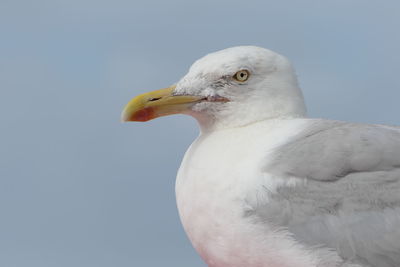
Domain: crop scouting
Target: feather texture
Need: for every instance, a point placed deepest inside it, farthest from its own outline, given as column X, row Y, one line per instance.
column 348, row 195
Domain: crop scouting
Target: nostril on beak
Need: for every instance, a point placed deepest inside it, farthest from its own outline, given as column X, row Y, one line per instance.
column 154, row 99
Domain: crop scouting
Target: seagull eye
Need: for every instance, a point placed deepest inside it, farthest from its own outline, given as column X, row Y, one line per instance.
column 241, row 75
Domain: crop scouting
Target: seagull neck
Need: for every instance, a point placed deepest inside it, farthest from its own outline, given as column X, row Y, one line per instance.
column 207, row 126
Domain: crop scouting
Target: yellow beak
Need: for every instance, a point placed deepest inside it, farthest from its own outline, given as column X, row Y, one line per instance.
column 157, row 103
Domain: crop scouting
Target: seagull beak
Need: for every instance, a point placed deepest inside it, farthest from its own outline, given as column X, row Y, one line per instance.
column 157, row 103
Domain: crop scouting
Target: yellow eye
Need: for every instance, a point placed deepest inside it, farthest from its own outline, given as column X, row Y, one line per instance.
column 241, row 75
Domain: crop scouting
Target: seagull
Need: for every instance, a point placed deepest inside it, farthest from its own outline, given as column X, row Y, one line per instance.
column 263, row 185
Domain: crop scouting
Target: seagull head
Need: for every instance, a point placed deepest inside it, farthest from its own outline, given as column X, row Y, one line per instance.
column 228, row 88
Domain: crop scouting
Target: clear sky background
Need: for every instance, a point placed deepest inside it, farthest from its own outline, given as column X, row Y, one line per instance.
column 77, row 187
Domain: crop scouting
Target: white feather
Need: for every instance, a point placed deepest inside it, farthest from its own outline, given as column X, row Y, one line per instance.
column 262, row 186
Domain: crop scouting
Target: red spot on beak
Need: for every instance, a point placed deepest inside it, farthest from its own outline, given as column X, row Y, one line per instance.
column 145, row 114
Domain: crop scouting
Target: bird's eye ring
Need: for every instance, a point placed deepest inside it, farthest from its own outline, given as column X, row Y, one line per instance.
column 241, row 75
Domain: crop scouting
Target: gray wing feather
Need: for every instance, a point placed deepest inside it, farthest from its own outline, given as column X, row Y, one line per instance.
column 329, row 150
column 350, row 201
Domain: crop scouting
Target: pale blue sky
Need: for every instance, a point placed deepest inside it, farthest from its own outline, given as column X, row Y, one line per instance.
column 77, row 187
